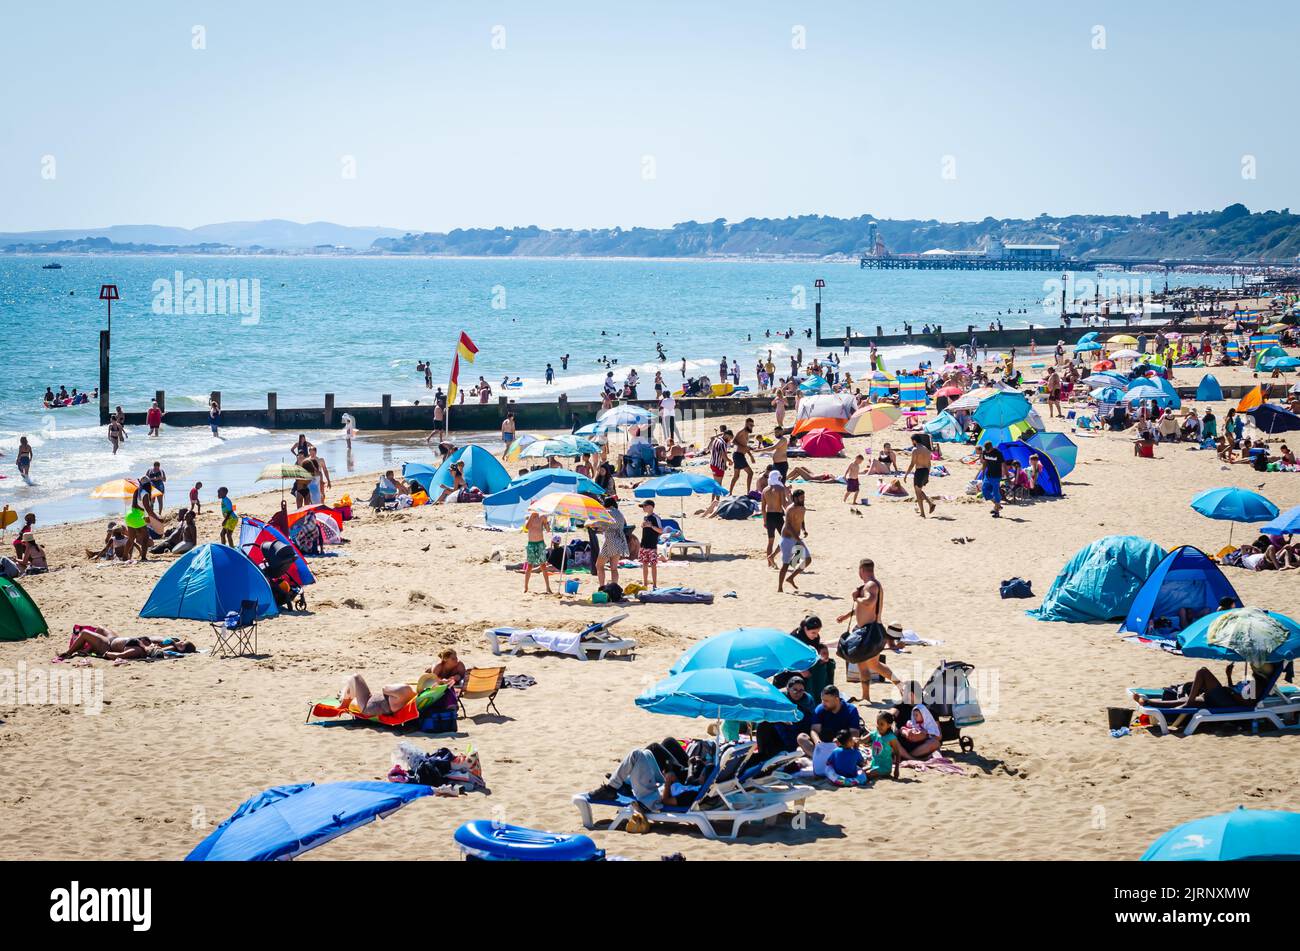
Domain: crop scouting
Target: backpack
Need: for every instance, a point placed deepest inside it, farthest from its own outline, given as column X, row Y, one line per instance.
column 612, row 591
column 1017, row 588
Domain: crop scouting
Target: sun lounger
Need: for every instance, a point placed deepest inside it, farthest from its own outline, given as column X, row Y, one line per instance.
column 683, row 544
column 1273, row 709
column 482, row 683
column 593, row 639
column 721, row 799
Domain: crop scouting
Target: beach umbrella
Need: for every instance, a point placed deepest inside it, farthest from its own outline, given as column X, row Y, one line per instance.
column 1089, row 346
column 1109, row 394
column 570, row 480
column 1125, row 355
column 625, row 414
column 872, row 419
column 761, row 651
column 1145, row 392
column 1271, row 418
column 1232, row 504
column 1281, row 363
column 572, row 506
column 944, row 428
column 1268, row 353
column 119, row 489
column 547, row 448
column 827, row 423
column 1122, row 340
column 1090, row 336
column 1002, row 409
column 1242, row 835
column 716, row 693
column 1104, row 365
column 518, row 445
column 822, row 444
column 590, row 430
column 679, row 484
column 1288, row 523
column 1107, row 379
column 282, row 471
column 949, row 392
column 285, row 821
column 1242, row 634
column 1059, row 448
column 1000, row 434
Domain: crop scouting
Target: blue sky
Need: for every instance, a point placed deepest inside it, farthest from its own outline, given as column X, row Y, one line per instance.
column 554, row 129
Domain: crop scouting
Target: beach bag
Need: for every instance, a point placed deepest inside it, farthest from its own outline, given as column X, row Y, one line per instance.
column 861, row 643
column 1017, row 588
column 613, row 592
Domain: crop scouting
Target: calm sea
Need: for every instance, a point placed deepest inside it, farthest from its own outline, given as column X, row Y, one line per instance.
column 356, row 327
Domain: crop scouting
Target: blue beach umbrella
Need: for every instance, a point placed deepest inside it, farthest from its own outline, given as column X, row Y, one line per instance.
column 1087, row 346
column 1059, row 448
column 1159, row 383
column 761, row 651
column 1090, row 336
column 719, row 694
column 1231, row 504
column 1146, row 393
column 1282, row 363
column 1002, row 409
column 1288, row 523
column 1109, row 394
column 1107, row 378
column 1236, row 836
column 625, row 414
column 283, row 822
column 1242, row 634
column 814, row 384
column 679, row 484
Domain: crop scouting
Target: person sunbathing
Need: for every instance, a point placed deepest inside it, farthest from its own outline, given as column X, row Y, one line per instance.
column 389, row 700
column 885, row 462
column 101, row 642
column 1205, row 691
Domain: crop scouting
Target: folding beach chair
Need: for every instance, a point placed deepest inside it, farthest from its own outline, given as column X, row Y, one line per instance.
column 239, row 639
column 482, row 683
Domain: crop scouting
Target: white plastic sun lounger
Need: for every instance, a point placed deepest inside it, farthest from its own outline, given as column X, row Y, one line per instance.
column 595, row 639
column 739, row 806
column 1273, row 710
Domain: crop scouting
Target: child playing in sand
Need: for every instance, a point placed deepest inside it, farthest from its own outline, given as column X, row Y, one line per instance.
column 844, row 765
column 195, row 505
column 851, row 483
column 884, row 747
column 228, row 520
column 535, row 553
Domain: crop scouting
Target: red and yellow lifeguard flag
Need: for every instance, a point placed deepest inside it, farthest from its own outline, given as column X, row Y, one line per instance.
column 1251, row 400
column 464, row 348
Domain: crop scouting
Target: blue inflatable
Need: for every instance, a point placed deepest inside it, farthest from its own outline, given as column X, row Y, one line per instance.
column 1101, row 581
column 1185, row 579
column 208, row 583
column 498, row 842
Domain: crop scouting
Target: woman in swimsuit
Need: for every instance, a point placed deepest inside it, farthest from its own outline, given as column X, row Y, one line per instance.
column 919, row 467
column 24, row 459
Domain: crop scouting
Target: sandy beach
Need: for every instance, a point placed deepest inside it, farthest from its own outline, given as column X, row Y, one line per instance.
column 180, row 743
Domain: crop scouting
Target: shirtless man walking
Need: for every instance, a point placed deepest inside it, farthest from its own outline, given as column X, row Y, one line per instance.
column 740, row 456
column 779, row 452
column 793, row 535
column 775, row 499
column 868, row 609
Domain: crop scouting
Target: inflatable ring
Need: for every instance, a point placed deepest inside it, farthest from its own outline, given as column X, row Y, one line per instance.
column 499, row 842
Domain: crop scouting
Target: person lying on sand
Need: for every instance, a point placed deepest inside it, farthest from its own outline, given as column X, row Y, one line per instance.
column 100, row 642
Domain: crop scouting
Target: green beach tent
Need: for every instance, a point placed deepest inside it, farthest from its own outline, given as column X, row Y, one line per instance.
column 20, row 618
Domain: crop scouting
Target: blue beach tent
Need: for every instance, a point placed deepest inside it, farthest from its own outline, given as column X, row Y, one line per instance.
column 283, row 822
column 1208, row 390
column 1185, row 579
column 1020, row 452
column 483, row 471
column 1101, row 581
column 509, row 507
column 944, row 428
column 208, row 583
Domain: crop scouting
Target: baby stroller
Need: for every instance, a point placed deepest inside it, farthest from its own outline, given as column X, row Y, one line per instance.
column 949, row 695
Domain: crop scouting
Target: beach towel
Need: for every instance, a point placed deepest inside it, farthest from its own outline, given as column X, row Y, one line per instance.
column 562, row 642
column 675, row 595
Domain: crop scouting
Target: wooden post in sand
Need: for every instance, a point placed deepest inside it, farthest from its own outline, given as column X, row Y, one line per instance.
column 386, row 411
column 272, row 410
column 103, row 378
column 563, row 406
column 329, row 409
column 160, row 397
